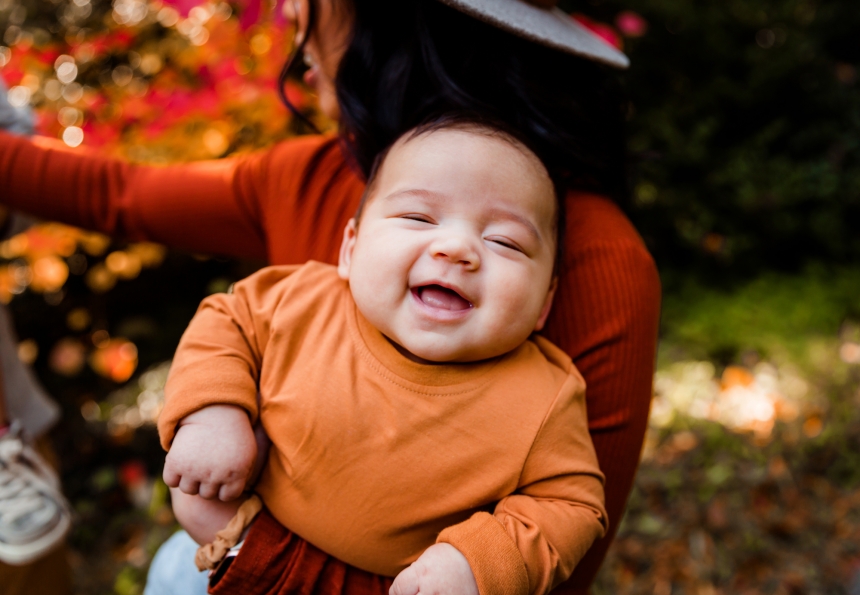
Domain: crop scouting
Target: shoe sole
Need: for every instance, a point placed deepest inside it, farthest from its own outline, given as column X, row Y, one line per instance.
column 19, row 555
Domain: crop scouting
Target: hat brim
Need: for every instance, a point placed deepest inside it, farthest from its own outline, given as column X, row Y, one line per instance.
column 550, row 27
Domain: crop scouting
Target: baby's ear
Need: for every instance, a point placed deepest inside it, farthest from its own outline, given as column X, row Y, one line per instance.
column 350, row 233
column 547, row 305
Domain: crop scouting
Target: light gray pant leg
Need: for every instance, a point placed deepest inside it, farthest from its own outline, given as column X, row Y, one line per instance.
column 17, row 120
column 173, row 571
column 26, row 400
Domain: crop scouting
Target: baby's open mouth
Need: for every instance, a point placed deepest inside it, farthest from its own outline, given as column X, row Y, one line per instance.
column 440, row 297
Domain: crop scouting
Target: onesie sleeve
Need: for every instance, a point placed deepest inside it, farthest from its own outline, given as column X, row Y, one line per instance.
column 220, row 354
column 536, row 536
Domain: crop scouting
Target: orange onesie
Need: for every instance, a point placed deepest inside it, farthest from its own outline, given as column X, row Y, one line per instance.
column 376, row 457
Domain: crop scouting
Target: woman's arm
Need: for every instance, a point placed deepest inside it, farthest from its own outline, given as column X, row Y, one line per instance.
column 193, row 206
column 606, row 316
column 215, row 207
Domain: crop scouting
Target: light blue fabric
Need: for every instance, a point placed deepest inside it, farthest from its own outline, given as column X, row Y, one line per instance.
column 173, row 572
column 14, row 119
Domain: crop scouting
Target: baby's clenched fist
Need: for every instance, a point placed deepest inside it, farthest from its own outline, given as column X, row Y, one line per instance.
column 440, row 570
column 212, row 454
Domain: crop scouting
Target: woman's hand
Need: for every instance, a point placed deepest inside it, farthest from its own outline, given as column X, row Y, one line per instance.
column 440, row 570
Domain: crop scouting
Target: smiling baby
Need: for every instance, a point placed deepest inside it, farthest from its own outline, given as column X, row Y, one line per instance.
column 420, row 428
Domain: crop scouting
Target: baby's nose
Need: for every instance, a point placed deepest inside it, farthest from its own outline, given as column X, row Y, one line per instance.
column 458, row 250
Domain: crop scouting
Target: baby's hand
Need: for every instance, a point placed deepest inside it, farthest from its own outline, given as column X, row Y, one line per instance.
column 212, row 454
column 440, row 570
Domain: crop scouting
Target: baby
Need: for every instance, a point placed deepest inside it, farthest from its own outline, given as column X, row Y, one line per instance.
column 417, row 423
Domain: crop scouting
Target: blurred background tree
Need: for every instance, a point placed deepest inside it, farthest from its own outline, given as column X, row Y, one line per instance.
column 744, row 129
column 745, row 183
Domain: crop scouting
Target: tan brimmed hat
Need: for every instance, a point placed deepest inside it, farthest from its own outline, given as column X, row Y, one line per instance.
column 542, row 22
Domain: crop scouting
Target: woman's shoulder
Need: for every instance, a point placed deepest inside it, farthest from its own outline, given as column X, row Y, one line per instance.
column 308, row 146
column 307, row 168
column 596, row 221
column 312, row 155
column 606, row 256
column 598, row 231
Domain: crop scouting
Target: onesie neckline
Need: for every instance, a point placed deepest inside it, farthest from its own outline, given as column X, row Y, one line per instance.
column 427, row 378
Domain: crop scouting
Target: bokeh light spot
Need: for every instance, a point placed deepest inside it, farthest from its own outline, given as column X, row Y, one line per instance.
column 28, row 351
column 67, row 357
column 73, row 136
column 78, row 319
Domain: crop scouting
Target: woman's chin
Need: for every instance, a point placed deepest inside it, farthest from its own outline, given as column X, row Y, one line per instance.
column 328, row 105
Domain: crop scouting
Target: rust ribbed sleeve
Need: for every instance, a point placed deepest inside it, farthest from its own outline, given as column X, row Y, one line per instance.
column 605, row 317
column 374, row 455
column 290, row 204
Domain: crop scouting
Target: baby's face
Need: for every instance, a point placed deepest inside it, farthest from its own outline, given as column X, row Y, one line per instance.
column 453, row 259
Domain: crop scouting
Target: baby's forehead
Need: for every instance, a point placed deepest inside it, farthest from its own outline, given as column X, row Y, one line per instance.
column 465, row 156
column 465, row 162
column 477, row 138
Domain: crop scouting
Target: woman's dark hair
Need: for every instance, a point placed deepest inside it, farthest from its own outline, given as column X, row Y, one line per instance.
column 411, row 59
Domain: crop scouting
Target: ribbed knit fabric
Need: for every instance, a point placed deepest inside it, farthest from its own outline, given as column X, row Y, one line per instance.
column 610, row 333
column 275, row 561
column 290, row 203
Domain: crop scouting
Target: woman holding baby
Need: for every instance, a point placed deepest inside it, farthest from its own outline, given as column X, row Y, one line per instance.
column 381, row 67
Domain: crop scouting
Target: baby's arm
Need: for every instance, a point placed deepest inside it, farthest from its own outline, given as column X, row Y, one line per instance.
column 208, row 467
column 200, row 516
column 537, row 535
column 220, row 356
column 210, row 403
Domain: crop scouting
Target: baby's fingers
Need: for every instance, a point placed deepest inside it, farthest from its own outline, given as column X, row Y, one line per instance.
column 405, row 583
column 189, row 486
column 231, row 491
column 171, row 477
column 209, row 491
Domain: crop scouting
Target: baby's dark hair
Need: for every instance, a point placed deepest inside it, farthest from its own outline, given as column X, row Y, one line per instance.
column 479, row 124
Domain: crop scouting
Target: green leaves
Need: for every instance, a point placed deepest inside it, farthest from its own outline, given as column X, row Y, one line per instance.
column 746, row 124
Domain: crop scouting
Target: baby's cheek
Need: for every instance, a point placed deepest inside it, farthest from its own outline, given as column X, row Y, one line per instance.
column 522, row 315
column 500, row 333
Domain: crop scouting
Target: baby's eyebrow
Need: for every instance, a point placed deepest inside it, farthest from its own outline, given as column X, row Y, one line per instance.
column 420, row 192
column 499, row 213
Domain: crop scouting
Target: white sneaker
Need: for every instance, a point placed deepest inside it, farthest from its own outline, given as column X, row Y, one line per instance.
column 34, row 516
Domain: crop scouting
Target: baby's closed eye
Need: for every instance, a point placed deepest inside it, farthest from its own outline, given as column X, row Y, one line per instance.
column 418, row 217
column 505, row 242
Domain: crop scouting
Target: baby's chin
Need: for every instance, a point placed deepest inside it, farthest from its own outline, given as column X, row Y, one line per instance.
column 440, row 353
